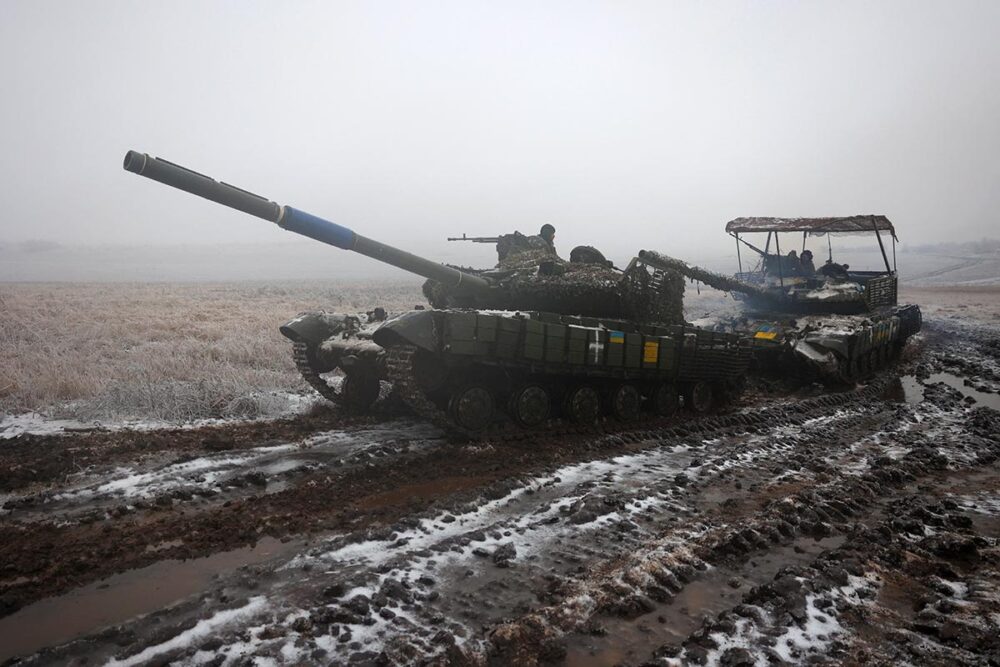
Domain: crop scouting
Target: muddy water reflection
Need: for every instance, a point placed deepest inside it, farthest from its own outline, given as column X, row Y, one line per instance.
column 955, row 382
column 121, row 597
column 911, row 389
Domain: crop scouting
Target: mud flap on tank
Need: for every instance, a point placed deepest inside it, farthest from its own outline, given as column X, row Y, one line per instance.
column 314, row 328
column 419, row 327
column 821, row 360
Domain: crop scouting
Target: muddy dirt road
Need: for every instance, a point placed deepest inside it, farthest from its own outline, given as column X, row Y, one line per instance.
column 859, row 527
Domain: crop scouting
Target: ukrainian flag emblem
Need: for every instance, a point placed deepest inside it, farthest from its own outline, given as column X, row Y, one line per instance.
column 767, row 332
column 616, row 337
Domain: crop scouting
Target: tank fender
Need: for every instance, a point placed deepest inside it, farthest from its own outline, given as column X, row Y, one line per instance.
column 837, row 343
column 816, row 356
column 315, row 327
column 418, row 327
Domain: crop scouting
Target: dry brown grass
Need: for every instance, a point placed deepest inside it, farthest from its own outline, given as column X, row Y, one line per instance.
column 161, row 351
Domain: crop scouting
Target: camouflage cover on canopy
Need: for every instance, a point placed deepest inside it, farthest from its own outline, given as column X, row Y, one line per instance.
column 853, row 224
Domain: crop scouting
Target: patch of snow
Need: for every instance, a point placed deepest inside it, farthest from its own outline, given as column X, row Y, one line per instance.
column 959, row 590
column 980, row 503
column 202, row 630
column 38, row 423
column 35, row 423
column 208, row 469
column 833, row 291
column 811, row 637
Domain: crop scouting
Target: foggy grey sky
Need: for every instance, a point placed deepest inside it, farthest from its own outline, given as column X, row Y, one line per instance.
column 625, row 124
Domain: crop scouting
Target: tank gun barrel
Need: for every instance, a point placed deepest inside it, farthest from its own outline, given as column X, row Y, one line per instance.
column 710, row 278
column 295, row 220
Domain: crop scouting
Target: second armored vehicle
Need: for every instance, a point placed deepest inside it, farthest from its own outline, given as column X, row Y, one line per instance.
column 834, row 323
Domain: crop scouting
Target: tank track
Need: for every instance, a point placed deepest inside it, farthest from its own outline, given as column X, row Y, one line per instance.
column 300, row 353
column 400, row 371
column 399, row 368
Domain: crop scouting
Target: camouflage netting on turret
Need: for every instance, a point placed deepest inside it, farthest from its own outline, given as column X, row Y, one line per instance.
column 517, row 251
column 533, row 277
column 656, row 296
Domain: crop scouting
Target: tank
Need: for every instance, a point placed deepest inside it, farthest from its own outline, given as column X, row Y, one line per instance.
column 836, row 325
column 534, row 341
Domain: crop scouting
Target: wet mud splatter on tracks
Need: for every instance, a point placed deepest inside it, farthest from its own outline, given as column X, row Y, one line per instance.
column 858, row 526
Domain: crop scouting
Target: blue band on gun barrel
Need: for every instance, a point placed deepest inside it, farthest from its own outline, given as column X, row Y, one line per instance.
column 309, row 225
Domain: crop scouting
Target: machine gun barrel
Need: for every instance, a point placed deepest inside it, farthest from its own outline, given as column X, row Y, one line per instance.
column 710, row 278
column 475, row 239
column 295, row 220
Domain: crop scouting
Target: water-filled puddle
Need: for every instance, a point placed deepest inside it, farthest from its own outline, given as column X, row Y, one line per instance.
column 121, row 597
column 913, row 389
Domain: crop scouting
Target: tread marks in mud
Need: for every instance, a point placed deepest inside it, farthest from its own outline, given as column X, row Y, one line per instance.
column 835, row 506
column 573, row 448
column 920, row 554
column 750, row 536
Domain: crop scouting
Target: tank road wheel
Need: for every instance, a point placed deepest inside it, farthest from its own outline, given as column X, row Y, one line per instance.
column 665, row 400
column 698, row 397
column 530, row 405
column 359, row 391
column 583, row 405
column 626, row 401
column 472, row 407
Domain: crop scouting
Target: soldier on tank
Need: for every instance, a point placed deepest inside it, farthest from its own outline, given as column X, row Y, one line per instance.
column 548, row 234
column 585, row 254
column 806, row 262
column 790, row 263
column 834, row 271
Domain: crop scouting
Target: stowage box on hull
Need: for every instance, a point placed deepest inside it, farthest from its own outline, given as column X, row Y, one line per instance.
column 553, row 343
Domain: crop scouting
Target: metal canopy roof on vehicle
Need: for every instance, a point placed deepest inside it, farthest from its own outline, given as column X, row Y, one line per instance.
column 844, row 225
column 854, row 224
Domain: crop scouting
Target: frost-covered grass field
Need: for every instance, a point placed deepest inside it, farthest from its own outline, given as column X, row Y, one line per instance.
column 165, row 351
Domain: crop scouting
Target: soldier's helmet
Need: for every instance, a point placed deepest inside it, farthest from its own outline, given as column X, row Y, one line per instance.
column 548, row 232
